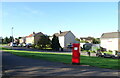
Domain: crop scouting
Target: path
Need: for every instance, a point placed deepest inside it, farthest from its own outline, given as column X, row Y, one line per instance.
column 30, row 49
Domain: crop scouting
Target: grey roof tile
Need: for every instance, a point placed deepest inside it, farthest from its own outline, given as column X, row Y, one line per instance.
column 61, row 34
column 111, row 35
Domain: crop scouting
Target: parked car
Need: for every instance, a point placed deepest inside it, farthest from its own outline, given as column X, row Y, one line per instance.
column 105, row 55
column 20, row 45
column 23, row 45
column 13, row 44
column 28, row 45
column 108, row 55
column 117, row 55
column 99, row 54
column 69, row 46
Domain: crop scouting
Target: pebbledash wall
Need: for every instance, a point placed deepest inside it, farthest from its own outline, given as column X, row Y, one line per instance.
column 119, row 44
column 110, row 43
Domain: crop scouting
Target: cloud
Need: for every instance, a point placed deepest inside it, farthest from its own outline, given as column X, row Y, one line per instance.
column 32, row 11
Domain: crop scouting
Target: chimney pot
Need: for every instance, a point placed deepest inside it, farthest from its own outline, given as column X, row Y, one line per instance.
column 60, row 32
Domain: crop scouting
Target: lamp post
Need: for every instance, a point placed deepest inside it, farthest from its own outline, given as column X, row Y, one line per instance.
column 12, row 34
column 12, row 37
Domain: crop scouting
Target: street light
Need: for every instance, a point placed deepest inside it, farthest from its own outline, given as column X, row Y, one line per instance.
column 12, row 37
column 12, row 34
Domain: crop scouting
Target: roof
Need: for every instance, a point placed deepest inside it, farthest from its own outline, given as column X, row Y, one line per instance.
column 111, row 35
column 39, row 33
column 32, row 35
column 87, row 38
column 22, row 38
column 61, row 34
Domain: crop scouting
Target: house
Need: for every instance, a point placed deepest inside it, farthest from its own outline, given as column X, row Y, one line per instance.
column 65, row 38
column 110, row 41
column 32, row 38
column 86, row 39
column 22, row 40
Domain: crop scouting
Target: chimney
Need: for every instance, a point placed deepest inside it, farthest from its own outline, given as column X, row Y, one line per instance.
column 33, row 32
column 60, row 32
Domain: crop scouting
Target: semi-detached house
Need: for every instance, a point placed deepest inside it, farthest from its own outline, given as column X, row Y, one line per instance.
column 65, row 38
column 111, row 41
column 32, row 38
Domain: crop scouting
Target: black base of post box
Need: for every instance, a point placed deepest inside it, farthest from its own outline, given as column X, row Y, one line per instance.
column 76, row 63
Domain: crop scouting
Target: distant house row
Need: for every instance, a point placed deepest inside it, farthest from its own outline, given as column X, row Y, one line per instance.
column 32, row 38
column 87, row 39
column 110, row 41
column 65, row 38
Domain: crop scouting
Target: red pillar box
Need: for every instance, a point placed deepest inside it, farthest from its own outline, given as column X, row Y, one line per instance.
column 76, row 53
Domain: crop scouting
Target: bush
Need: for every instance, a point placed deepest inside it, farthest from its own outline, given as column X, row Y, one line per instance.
column 91, row 51
column 102, row 49
column 33, row 45
column 82, row 49
column 110, row 50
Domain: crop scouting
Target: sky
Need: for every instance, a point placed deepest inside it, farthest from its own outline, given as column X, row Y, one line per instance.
column 81, row 18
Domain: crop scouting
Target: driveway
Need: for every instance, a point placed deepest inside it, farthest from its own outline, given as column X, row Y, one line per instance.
column 21, row 66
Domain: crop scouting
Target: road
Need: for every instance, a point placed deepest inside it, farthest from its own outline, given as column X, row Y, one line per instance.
column 21, row 66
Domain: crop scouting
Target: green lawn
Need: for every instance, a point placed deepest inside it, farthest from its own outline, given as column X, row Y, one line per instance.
column 4, row 44
column 66, row 58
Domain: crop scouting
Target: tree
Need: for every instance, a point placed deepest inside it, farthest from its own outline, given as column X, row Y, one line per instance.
column 82, row 41
column 10, row 39
column 1, row 40
column 17, row 41
column 77, row 39
column 6, row 40
column 55, row 43
column 96, row 41
column 19, row 37
column 43, row 42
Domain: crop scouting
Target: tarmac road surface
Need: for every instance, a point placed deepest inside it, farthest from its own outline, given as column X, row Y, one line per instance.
column 22, row 66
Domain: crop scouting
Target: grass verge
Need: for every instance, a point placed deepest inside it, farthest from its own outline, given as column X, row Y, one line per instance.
column 66, row 58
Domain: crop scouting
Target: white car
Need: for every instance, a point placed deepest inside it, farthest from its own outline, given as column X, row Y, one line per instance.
column 19, row 45
column 28, row 45
column 13, row 44
column 24, row 45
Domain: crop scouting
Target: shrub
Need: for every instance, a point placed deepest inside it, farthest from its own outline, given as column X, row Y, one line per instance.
column 102, row 49
column 33, row 45
column 110, row 50
column 82, row 49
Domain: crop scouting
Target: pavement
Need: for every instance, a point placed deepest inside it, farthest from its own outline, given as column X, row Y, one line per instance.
column 31, row 49
column 13, row 65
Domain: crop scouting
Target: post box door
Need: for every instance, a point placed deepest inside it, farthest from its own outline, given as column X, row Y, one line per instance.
column 76, row 53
